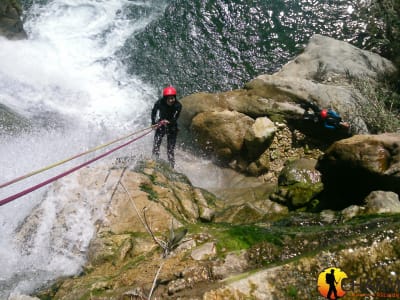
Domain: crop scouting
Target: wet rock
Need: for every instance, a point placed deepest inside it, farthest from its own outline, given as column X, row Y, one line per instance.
column 232, row 264
column 11, row 121
column 301, row 170
column 259, row 137
column 382, row 202
column 205, row 251
column 354, row 167
column 205, row 212
column 15, row 296
column 189, row 278
column 256, row 286
column 301, row 243
column 221, row 133
column 328, row 216
column 352, row 211
column 323, row 52
column 298, row 184
column 11, row 25
column 241, row 214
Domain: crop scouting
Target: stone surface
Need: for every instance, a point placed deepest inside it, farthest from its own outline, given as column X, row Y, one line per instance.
column 11, row 25
column 382, row 202
column 222, row 132
column 203, row 252
column 354, row 167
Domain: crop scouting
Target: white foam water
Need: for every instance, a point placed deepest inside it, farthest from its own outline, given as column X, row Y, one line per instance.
column 68, row 81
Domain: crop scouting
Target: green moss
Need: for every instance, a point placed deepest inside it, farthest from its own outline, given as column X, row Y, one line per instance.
column 49, row 293
column 153, row 196
column 210, row 198
column 277, row 117
column 132, row 263
column 291, row 292
column 236, row 237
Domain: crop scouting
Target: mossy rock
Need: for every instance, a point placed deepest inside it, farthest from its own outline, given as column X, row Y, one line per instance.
column 301, row 194
column 301, row 170
column 299, row 184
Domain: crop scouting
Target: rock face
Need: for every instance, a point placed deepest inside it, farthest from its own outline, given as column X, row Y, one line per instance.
column 213, row 258
column 354, row 167
column 11, row 25
column 319, row 75
column 11, row 121
column 224, row 123
column 320, row 62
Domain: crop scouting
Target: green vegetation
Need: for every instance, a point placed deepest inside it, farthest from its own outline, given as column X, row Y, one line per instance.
column 292, row 292
column 236, row 237
column 381, row 113
column 383, row 27
column 153, row 196
column 243, row 237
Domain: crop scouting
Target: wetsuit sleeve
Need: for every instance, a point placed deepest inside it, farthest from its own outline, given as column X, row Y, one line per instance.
column 333, row 121
column 154, row 112
column 335, row 115
column 327, row 125
column 177, row 112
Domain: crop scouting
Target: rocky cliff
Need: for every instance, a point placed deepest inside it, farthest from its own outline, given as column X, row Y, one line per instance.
column 162, row 238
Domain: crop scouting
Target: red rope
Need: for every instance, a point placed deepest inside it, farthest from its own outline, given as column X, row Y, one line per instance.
column 35, row 187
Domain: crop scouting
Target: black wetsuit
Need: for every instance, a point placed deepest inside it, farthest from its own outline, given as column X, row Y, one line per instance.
column 171, row 114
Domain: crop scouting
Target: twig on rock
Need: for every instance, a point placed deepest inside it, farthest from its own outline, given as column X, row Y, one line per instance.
column 168, row 245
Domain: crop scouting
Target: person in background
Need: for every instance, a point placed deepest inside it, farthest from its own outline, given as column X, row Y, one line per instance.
column 329, row 118
column 165, row 114
column 332, row 120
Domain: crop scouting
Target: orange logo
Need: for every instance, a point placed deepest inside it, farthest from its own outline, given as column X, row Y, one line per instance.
column 330, row 283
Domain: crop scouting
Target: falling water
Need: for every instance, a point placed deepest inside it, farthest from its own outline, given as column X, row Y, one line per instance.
column 68, row 82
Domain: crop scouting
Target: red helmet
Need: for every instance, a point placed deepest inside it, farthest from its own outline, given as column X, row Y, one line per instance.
column 169, row 91
column 323, row 113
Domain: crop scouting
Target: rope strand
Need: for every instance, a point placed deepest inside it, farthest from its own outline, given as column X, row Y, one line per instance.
column 35, row 187
column 72, row 158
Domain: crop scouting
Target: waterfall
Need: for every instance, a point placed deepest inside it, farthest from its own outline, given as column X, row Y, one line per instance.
column 68, row 81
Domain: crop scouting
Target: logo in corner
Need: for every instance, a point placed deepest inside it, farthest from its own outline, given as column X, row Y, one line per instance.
column 330, row 283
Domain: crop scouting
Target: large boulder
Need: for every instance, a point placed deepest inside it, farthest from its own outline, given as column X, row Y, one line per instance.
column 299, row 184
column 320, row 62
column 354, row 167
column 11, row 25
column 222, row 132
column 318, row 74
column 380, row 202
column 259, row 137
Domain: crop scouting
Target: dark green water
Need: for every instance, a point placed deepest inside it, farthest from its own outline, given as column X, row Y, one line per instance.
column 217, row 45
